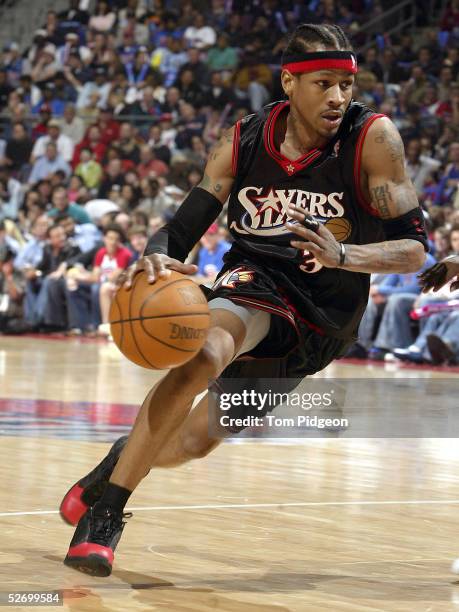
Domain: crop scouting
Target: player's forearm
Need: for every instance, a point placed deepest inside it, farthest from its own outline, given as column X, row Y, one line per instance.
column 401, row 256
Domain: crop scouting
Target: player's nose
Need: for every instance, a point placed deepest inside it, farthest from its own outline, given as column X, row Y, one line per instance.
column 336, row 97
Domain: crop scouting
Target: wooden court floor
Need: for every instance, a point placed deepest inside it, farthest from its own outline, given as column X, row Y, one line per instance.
column 326, row 524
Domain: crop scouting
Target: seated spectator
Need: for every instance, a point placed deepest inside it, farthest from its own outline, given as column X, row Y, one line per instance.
column 83, row 235
column 138, row 238
column 450, row 178
column 419, row 167
column 63, row 143
column 153, row 201
column 93, row 142
column 442, row 243
column 46, row 65
column 149, row 166
column 200, row 35
column 46, row 165
column 18, row 149
column 127, row 144
column 168, row 58
column 61, row 205
column 103, row 19
column 210, row 255
column 12, row 289
column 190, row 91
column 114, row 175
column 11, row 194
column 253, row 80
column 395, row 295
column 219, row 94
column 222, row 56
column 89, row 169
column 98, row 84
column 45, row 303
column 31, row 253
column 72, row 126
column 196, row 65
column 93, row 291
column 108, row 126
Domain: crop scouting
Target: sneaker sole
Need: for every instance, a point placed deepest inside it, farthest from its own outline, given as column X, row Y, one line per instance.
column 93, row 565
column 107, row 463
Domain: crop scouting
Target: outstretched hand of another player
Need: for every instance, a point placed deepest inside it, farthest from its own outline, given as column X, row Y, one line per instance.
column 315, row 238
column 441, row 273
column 156, row 266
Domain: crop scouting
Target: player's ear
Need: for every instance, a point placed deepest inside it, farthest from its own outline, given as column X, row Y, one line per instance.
column 287, row 81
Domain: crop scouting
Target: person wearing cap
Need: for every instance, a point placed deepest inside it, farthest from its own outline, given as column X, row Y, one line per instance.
column 46, row 66
column 63, row 143
column 99, row 84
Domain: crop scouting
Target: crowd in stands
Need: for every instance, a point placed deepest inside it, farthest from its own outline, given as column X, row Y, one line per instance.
column 107, row 117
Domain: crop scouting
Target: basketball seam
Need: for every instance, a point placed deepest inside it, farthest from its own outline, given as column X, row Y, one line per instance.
column 179, row 280
column 132, row 330
column 179, row 314
column 122, row 327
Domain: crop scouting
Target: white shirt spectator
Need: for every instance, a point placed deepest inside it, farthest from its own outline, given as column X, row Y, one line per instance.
column 64, row 144
column 201, row 38
column 421, row 171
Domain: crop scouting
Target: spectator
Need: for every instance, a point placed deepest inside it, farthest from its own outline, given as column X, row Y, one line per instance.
column 222, row 57
column 71, row 125
column 93, row 142
column 200, row 35
column 61, row 205
column 18, row 149
column 103, row 19
column 12, row 289
column 63, row 143
column 127, row 144
column 419, row 167
column 45, row 290
column 149, row 165
column 100, row 86
column 83, row 235
column 210, row 254
column 48, row 164
column 196, row 65
column 254, row 80
column 31, row 253
column 89, row 169
column 114, row 176
column 12, row 193
column 138, row 237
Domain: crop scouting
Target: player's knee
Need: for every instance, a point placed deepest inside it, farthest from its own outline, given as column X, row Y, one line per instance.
column 214, row 356
column 197, row 447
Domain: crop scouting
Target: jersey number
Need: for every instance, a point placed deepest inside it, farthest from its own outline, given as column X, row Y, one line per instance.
column 309, row 264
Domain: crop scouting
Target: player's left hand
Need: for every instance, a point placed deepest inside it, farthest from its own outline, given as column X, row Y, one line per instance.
column 318, row 240
column 438, row 275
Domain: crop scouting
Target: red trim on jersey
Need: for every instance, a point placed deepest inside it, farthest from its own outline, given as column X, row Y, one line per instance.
column 357, row 163
column 314, row 327
column 290, row 166
column 266, row 306
column 323, row 64
column 236, row 142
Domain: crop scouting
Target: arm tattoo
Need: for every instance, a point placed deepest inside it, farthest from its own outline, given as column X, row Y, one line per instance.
column 226, row 138
column 380, row 198
column 393, row 144
column 206, row 183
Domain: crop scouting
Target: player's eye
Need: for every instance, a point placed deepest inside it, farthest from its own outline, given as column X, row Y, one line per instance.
column 324, row 84
column 346, row 84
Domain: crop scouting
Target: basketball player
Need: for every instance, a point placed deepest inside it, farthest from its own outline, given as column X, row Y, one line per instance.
column 289, row 292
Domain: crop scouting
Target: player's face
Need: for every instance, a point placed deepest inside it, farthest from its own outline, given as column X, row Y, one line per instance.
column 455, row 241
column 320, row 99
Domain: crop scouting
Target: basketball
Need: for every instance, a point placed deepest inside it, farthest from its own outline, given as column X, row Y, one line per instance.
column 340, row 228
column 160, row 325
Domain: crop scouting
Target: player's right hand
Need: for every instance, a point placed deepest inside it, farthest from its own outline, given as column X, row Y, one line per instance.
column 156, row 266
column 441, row 273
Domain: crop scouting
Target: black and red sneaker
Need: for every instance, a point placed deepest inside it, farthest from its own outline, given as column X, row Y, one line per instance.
column 92, row 547
column 87, row 491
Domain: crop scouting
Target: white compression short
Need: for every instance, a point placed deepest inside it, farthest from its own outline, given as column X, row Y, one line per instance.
column 256, row 322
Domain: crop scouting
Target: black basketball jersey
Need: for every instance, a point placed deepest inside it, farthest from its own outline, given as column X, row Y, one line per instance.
column 326, row 183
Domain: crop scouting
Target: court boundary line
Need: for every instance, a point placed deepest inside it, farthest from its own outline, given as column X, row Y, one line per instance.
column 276, row 505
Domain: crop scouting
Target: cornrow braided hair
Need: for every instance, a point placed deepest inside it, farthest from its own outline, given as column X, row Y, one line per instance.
column 307, row 35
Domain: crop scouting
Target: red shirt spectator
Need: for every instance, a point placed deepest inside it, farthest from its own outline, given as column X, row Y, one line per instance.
column 150, row 165
column 108, row 263
column 91, row 141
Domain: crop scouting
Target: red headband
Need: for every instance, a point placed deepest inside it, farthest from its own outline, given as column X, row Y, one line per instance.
column 320, row 60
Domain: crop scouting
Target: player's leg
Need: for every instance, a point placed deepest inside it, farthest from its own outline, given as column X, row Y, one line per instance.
column 98, row 531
